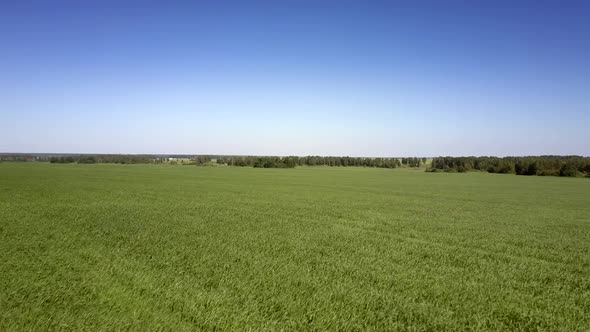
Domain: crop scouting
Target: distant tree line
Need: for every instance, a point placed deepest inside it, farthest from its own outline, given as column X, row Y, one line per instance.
column 241, row 161
column 536, row 165
column 112, row 159
column 262, row 162
column 17, row 157
column 413, row 161
column 292, row 161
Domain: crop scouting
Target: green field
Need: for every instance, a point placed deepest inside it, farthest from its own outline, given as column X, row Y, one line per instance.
column 117, row 247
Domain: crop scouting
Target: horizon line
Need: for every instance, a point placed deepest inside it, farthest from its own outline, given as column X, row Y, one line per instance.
column 277, row 155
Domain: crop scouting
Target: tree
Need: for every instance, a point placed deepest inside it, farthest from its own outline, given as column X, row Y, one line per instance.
column 568, row 169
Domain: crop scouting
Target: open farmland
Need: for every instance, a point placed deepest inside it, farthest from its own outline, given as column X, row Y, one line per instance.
column 116, row 247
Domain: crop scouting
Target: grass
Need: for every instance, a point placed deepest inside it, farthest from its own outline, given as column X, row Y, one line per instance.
column 138, row 247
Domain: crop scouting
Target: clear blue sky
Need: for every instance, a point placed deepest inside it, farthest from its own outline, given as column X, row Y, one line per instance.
column 358, row 78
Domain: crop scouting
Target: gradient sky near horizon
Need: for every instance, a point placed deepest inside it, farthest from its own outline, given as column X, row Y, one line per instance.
column 358, row 78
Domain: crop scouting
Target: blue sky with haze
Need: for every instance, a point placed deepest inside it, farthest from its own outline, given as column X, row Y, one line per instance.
column 296, row 77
